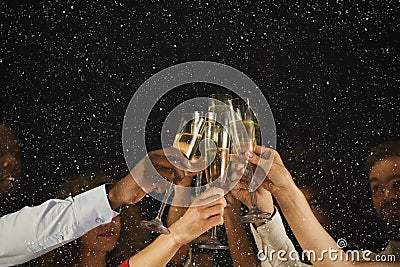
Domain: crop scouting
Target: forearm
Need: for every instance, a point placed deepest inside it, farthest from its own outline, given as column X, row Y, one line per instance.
column 174, row 214
column 310, row 234
column 37, row 230
column 239, row 245
column 308, row 231
column 158, row 253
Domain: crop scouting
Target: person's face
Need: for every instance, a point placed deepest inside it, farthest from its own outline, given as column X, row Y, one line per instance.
column 384, row 180
column 103, row 238
column 10, row 161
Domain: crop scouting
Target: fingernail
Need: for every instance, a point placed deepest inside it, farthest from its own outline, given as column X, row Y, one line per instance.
column 268, row 155
column 249, row 154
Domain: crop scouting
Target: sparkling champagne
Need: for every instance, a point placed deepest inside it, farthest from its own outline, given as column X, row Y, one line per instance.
column 188, row 144
column 219, row 166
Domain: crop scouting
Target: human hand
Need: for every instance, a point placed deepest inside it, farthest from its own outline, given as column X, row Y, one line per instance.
column 233, row 208
column 263, row 196
column 232, row 201
column 206, row 212
column 151, row 173
column 270, row 165
column 186, row 181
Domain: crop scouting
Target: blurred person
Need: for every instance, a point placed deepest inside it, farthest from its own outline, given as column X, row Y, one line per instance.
column 383, row 167
column 133, row 238
column 102, row 245
column 10, row 168
column 40, row 229
column 91, row 248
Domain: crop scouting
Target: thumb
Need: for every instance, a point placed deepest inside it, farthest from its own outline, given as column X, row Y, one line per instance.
column 210, row 195
column 267, row 153
column 265, row 164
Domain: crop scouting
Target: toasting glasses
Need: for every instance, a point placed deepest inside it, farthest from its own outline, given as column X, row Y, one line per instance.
column 245, row 132
column 187, row 141
column 217, row 148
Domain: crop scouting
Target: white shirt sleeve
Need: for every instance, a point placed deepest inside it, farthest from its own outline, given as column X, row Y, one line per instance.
column 34, row 231
column 275, row 247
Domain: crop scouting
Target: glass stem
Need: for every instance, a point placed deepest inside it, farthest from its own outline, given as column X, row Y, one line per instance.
column 164, row 201
column 249, row 174
column 253, row 200
column 214, row 233
column 198, row 183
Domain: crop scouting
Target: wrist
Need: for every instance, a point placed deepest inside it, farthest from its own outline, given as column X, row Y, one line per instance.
column 113, row 197
column 259, row 223
column 266, row 207
column 286, row 193
column 176, row 236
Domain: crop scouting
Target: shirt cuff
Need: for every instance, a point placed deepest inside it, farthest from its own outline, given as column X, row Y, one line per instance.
column 272, row 231
column 92, row 208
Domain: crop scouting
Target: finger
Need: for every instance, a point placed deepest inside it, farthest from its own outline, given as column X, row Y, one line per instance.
column 260, row 149
column 214, row 221
column 262, row 190
column 186, row 181
column 230, row 183
column 165, row 173
column 211, row 194
column 230, row 198
column 198, row 165
column 170, row 163
column 161, row 163
column 214, row 210
column 235, row 158
column 220, row 201
column 261, row 171
column 255, row 159
column 243, row 196
column 278, row 159
column 238, row 166
column 243, row 185
column 266, row 153
column 175, row 156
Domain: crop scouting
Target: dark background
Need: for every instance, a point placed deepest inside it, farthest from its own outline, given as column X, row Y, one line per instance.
column 330, row 72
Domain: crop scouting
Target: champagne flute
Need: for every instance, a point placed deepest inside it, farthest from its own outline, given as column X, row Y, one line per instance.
column 215, row 103
column 210, row 116
column 218, row 102
column 245, row 132
column 217, row 161
column 187, row 141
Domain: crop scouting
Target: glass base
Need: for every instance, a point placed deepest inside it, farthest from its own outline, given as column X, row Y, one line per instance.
column 213, row 244
column 256, row 216
column 155, row 225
